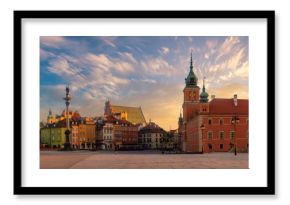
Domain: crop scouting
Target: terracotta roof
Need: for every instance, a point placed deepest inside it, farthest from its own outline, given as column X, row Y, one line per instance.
column 226, row 106
column 69, row 112
column 151, row 126
column 135, row 114
column 112, row 119
column 76, row 116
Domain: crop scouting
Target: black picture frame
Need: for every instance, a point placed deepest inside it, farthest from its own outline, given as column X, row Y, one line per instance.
column 268, row 190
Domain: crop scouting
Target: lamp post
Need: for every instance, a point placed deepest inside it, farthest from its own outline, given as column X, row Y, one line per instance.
column 202, row 127
column 235, row 121
column 50, row 137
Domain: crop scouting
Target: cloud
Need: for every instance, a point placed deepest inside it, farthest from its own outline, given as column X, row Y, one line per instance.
column 60, row 67
column 146, row 80
column 158, row 66
column 243, row 70
column 44, row 55
column 90, row 74
column 226, row 77
column 53, row 41
column 234, row 61
column 108, row 40
column 231, row 67
column 164, row 50
column 211, row 43
column 104, row 62
column 128, row 56
column 228, row 44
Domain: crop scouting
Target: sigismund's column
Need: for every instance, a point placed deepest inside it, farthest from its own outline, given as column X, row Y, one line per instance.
column 67, row 99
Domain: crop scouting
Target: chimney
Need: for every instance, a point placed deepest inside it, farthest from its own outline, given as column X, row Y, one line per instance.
column 212, row 97
column 235, row 99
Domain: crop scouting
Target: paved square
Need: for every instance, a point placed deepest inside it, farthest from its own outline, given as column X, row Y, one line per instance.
column 140, row 160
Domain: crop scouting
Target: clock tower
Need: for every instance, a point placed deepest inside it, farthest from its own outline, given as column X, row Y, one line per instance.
column 191, row 95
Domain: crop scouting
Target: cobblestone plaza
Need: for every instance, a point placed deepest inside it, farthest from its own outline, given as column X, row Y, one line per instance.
column 140, row 160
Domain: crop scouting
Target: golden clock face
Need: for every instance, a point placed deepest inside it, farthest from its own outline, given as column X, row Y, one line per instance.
column 192, row 94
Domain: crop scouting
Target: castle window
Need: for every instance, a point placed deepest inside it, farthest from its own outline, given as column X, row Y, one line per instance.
column 209, row 135
column 232, row 135
column 209, row 121
column 221, row 146
column 221, row 121
column 222, row 135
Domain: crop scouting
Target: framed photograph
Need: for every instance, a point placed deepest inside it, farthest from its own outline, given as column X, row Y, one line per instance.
column 144, row 102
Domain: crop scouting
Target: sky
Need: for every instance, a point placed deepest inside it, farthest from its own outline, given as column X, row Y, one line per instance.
column 146, row 71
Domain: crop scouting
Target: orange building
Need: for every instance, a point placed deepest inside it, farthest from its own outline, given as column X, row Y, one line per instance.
column 87, row 135
column 220, row 125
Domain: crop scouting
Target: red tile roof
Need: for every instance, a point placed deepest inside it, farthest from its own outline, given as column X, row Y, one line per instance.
column 112, row 119
column 76, row 116
column 151, row 126
column 226, row 106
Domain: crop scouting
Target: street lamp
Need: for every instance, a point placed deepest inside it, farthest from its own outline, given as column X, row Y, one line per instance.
column 50, row 137
column 202, row 127
column 235, row 121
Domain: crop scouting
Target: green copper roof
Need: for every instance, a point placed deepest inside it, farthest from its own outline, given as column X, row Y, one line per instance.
column 203, row 95
column 191, row 79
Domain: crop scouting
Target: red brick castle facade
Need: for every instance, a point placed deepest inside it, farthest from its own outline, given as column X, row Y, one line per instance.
column 219, row 125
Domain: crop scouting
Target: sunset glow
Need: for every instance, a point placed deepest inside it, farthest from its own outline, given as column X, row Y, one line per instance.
column 138, row 71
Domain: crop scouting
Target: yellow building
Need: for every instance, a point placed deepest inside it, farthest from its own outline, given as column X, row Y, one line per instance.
column 131, row 114
column 75, row 135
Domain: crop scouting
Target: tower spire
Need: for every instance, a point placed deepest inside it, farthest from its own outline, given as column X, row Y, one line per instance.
column 191, row 66
column 180, row 120
column 191, row 80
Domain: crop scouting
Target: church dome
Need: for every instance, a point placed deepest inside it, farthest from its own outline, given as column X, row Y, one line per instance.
column 191, row 79
column 203, row 95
